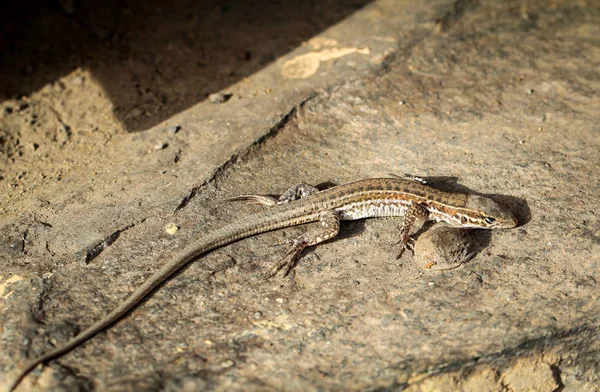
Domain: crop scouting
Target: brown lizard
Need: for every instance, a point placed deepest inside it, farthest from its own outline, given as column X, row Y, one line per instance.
column 380, row 197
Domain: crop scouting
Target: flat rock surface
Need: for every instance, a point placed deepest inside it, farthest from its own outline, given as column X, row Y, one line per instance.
column 494, row 98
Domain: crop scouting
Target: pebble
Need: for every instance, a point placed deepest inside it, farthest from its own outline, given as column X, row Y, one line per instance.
column 174, row 129
column 219, row 97
column 444, row 247
column 171, row 228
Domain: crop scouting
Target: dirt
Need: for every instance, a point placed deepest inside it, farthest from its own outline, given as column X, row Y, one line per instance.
column 117, row 145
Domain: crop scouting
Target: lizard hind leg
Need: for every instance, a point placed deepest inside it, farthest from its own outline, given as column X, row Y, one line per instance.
column 296, row 192
column 266, row 201
column 330, row 222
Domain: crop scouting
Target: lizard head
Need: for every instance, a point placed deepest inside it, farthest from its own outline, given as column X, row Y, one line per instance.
column 484, row 213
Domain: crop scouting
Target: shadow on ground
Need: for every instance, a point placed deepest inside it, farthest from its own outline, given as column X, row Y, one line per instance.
column 154, row 58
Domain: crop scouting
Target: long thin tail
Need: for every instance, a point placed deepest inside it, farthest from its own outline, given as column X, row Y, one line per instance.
column 128, row 304
column 245, row 227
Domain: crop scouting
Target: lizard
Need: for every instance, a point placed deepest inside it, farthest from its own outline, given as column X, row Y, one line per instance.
column 410, row 197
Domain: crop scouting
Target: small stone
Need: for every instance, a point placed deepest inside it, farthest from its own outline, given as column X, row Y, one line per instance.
column 219, row 97
column 171, row 228
column 161, row 146
column 78, row 80
column 58, row 86
column 134, row 113
column 444, row 247
column 227, row 364
column 174, row 129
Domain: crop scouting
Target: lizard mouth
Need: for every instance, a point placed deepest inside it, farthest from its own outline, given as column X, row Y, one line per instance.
column 505, row 222
column 509, row 222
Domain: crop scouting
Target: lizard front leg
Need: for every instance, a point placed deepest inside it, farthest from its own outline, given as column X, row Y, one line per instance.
column 330, row 222
column 415, row 211
column 296, row 192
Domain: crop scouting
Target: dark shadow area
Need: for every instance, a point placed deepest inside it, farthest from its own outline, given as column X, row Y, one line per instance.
column 482, row 239
column 154, row 58
column 349, row 229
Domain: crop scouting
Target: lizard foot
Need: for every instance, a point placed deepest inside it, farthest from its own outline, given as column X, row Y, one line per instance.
column 408, row 245
column 289, row 260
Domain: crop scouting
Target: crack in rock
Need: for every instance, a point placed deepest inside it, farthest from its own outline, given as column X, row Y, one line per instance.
column 37, row 310
column 239, row 156
column 93, row 251
column 499, row 359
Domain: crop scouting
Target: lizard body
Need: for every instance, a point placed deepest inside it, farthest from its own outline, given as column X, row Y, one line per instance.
column 383, row 197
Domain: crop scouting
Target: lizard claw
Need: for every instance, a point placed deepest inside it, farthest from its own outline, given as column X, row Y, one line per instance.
column 289, row 260
column 408, row 244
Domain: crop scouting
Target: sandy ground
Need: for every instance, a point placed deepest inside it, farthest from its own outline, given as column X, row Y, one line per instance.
column 109, row 134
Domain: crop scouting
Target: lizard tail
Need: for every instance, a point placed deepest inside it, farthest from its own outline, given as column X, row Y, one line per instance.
column 125, row 307
column 245, row 227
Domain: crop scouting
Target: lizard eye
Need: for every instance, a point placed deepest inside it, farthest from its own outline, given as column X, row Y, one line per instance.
column 489, row 220
column 464, row 220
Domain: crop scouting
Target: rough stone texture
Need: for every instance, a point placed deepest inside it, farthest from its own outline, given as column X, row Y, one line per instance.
column 503, row 96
